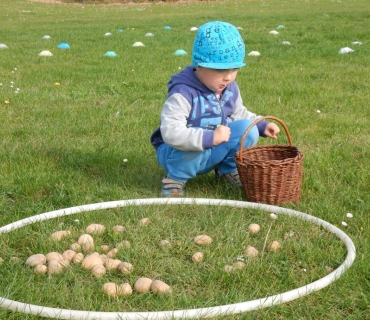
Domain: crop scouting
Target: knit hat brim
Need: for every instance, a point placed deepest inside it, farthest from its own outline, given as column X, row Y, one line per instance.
column 222, row 66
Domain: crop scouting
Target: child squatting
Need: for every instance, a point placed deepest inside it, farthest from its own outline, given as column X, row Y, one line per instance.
column 203, row 118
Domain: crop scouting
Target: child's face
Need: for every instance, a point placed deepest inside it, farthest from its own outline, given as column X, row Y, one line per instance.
column 216, row 80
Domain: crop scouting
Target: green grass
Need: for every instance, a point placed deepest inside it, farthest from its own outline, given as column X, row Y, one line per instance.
column 308, row 253
column 64, row 145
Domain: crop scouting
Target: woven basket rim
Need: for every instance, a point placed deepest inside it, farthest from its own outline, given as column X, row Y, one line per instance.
column 270, row 146
column 272, row 163
column 298, row 156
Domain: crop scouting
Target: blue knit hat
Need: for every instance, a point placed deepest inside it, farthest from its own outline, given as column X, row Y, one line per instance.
column 218, row 45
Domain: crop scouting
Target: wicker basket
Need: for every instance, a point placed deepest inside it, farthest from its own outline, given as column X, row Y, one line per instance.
column 270, row 174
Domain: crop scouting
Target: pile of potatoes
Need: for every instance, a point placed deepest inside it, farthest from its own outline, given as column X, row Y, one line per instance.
column 82, row 252
column 141, row 285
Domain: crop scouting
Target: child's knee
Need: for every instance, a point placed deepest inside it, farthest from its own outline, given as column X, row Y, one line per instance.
column 241, row 126
column 252, row 137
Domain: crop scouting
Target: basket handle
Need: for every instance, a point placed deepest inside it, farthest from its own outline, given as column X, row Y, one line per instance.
column 253, row 124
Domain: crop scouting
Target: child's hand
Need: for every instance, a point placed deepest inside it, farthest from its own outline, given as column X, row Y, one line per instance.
column 221, row 134
column 271, row 130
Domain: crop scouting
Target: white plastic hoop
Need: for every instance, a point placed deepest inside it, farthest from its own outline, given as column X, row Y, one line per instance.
column 189, row 313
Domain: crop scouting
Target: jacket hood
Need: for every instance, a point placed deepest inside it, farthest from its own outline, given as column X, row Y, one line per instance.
column 186, row 77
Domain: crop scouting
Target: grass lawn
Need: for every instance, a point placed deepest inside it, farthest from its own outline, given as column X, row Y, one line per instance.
column 75, row 130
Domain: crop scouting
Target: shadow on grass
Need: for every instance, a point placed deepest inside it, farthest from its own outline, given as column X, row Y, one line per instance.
column 140, row 176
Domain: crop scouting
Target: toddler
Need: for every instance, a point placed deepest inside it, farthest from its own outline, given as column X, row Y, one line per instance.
column 203, row 118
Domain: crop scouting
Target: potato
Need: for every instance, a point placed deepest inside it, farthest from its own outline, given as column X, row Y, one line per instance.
column 75, row 247
column 143, row 285
column 68, row 255
column 41, row 269
column 251, row 251
column 86, row 242
column 36, row 260
column 144, row 221
column 95, row 228
column 92, row 260
column 110, row 289
column 78, row 258
column 164, row 243
column 275, row 246
column 112, row 253
column 125, row 267
column 203, row 240
column 254, row 228
column 104, row 258
column 54, row 267
column 14, row 260
column 60, row 235
column 53, row 256
column 98, row 271
column 197, row 257
column 124, row 289
column 123, row 245
column 104, row 248
column 64, row 263
column 228, row 268
column 118, row 229
column 112, row 263
column 238, row 265
column 160, row 287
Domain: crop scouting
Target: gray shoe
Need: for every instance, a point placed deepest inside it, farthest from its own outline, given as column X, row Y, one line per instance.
column 232, row 178
column 172, row 188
